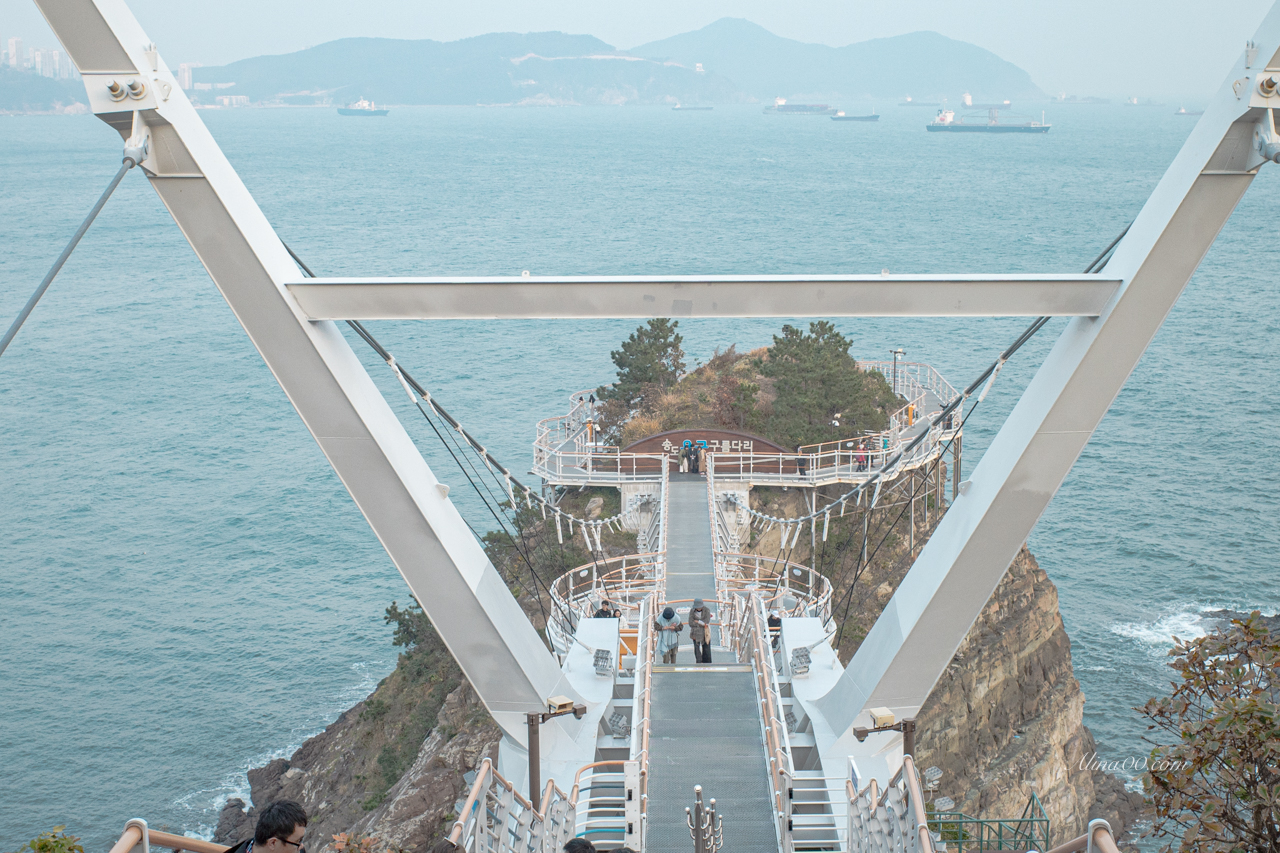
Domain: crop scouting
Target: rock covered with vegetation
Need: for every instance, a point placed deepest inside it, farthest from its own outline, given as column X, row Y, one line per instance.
column 791, row 393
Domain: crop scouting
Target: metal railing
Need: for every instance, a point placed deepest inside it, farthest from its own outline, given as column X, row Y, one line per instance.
column 623, row 581
column 892, row 822
column 961, row 832
column 642, row 706
column 565, row 450
column 782, row 585
column 600, row 790
column 750, row 642
column 496, row 819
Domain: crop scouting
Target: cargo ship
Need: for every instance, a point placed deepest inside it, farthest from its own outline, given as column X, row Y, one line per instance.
column 362, row 108
column 946, row 121
column 840, row 116
column 780, row 105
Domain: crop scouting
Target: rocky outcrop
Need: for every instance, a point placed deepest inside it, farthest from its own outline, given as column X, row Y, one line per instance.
column 1006, row 718
column 348, row 772
column 420, row 807
column 325, row 776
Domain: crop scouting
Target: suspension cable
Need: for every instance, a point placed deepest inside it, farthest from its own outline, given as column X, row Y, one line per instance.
column 128, row 164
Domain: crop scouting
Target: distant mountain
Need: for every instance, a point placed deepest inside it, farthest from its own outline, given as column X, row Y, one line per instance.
column 499, row 68
column 925, row 65
column 28, row 92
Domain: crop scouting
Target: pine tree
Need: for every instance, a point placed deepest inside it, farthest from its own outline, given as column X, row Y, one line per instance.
column 650, row 357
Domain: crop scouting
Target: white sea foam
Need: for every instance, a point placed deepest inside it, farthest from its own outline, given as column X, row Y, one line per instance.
column 1187, row 622
column 206, row 804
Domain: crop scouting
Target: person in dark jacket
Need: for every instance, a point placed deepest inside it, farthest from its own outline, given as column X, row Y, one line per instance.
column 775, row 627
column 280, row 829
column 700, row 617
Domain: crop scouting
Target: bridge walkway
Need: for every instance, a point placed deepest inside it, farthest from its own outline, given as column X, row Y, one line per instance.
column 705, row 724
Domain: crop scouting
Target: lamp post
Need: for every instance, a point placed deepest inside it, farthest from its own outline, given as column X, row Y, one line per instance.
column 558, row 706
column 896, row 353
column 907, row 727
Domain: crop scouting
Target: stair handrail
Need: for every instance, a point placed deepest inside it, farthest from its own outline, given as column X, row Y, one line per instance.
column 136, row 829
column 496, row 817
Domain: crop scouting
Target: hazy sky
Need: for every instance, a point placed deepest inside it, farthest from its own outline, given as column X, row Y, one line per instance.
column 1150, row 48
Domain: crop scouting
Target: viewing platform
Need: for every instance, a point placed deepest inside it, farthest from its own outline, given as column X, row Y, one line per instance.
column 568, row 451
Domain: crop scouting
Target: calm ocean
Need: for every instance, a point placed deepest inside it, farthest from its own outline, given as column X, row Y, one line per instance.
column 187, row 589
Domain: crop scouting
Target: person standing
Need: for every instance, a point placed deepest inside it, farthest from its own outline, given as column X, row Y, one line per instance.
column 668, row 626
column 702, row 458
column 775, row 627
column 700, row 631
column 684, row 456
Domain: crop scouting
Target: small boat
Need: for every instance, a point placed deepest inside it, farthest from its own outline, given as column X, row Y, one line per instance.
column 362, row 108
column 1186, row 112
column 910, row 102
column 682, row 108
column 780, row 105
column 840, row 116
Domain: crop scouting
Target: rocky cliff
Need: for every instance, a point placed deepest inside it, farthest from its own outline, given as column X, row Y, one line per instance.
column 1004, row 721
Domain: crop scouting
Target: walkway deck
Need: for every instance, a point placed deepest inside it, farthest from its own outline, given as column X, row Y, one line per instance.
column 705, row 731
column 690, row 566
column 705, row 727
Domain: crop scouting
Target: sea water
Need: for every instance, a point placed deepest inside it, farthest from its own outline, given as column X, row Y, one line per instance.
column 187, row 590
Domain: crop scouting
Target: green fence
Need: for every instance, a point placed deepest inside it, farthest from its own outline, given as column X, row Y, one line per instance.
column 960, row 832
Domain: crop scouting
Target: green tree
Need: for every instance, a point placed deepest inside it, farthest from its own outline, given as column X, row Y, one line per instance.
column 1214, row 780
column 651, row 356
column 815, row 379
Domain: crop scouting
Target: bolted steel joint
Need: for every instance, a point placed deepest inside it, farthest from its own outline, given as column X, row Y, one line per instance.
column 116, row 91
column 137, row 89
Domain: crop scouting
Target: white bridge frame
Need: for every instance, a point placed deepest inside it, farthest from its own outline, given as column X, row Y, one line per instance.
column 1114, row 316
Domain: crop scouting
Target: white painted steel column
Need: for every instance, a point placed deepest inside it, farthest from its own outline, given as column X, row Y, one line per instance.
column 938, row 601
column 466, row 599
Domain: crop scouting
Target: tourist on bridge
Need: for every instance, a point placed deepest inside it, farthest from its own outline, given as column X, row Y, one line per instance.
column 668, row 626
column 579, row 845
column 701, row 458
column 685, row 450
column 775, row 627
column 700, row 631
column 606, row 611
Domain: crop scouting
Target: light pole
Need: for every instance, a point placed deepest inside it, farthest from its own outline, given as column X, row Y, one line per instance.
column 896, row 353
column 557, row 706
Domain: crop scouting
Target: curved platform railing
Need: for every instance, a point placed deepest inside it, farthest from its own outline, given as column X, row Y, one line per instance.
column 622, row 581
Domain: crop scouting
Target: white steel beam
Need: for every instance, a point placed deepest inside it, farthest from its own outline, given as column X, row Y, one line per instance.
column 594, row 297
column 937, row 602
column 447, row 570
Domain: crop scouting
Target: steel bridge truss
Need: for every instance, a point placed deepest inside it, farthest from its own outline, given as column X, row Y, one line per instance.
column 1112, row 317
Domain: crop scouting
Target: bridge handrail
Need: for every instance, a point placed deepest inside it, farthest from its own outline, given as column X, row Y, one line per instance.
column 508, row 822
column 775, row 578
column 623, row 580
column 587, row 823
column 642, row 702
column 899, row 812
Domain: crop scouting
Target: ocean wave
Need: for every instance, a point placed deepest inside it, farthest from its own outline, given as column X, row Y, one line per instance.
column 205, row 805
column 1187, row 622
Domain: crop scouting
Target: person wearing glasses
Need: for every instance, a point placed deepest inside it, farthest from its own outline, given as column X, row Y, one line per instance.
column 280, row 829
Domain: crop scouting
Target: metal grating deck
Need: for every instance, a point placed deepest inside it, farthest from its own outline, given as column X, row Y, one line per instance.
column 705, row 730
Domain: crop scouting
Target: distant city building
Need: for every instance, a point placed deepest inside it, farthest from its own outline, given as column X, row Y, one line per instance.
column 223, row 85
column 185, row 75
column 15, row 53
column 201, row 87
column 47, row 63
column 233, row 100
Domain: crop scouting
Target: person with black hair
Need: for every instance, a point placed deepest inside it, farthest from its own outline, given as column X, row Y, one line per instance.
column 579, row 845
column 444, row 845
column 280, row 828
